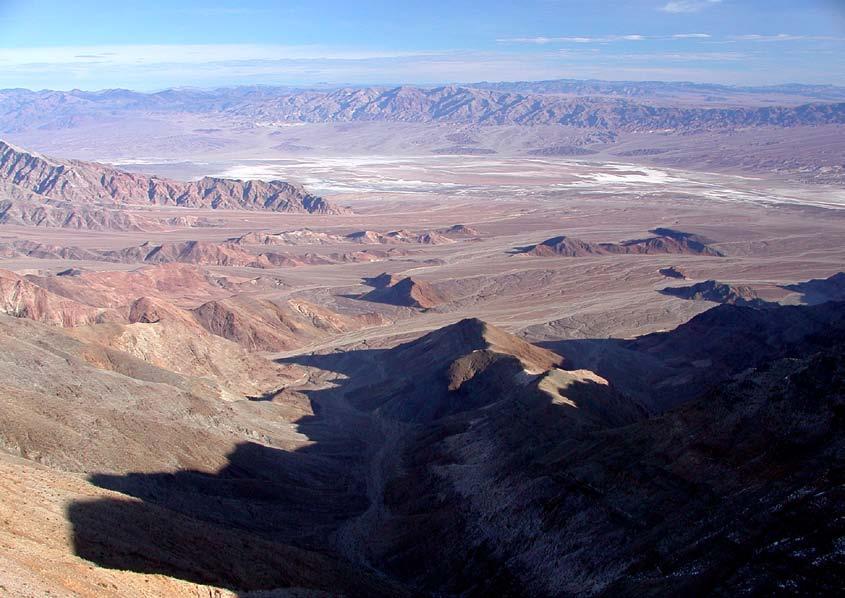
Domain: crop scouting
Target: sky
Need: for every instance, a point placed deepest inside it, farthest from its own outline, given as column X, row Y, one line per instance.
column 157, row 44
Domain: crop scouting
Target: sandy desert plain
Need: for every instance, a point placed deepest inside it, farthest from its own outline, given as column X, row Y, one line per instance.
column 772, row 232
column 266, row 412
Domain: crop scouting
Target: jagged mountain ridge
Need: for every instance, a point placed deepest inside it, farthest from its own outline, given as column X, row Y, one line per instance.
column 478, row 106
column 92, row 183
column 608, row 107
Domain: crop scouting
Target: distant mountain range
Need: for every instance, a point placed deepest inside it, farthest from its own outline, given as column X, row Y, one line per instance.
column 611, row 106
column 675, row 88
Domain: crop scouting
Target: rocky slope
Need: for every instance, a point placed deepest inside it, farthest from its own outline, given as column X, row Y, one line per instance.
column 75, row 406
column 365, row 237
column 22, row 299
column 464, row 462
column 265, row 325
column 397, row 237
column 735, row 492
column 97, row 184
column 304, row 236
column 192, row 310
column 54, row 214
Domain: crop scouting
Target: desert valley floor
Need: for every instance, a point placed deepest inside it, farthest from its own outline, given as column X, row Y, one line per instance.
column 772, row 233
column 245, row 413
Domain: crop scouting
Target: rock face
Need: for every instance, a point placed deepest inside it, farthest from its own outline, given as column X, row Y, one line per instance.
column 718, row 292
column 408, row 292
column 22, row 299
column 669, row 242
column 88, row 183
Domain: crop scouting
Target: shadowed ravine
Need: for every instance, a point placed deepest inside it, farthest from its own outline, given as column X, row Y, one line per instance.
column 442, row 467
column 321, row 506
column 322, row 499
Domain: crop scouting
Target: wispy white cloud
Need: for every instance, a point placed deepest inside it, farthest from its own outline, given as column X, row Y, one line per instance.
column 688, row 6
column 155, row 67
column 683, row 56
column 785, row 37
column 603, row 39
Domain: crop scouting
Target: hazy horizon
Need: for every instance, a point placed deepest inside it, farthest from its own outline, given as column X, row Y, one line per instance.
column 425, row 85
column 158, row 45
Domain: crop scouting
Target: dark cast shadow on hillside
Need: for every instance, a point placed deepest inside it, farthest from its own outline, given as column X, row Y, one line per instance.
column 265, row 520
column 269, row 518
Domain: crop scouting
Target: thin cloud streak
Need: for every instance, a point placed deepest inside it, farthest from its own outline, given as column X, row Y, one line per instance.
column 437, row 68
column 688, row 6
column 785, row 37
column 751, row 37
column 540, row 40
column 577, row 39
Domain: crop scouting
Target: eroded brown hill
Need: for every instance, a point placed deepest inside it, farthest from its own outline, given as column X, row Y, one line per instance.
column 265, row 325
column 666, row 241
column 408, row 292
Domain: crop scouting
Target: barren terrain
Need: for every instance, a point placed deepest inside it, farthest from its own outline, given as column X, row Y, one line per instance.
column 459, row 375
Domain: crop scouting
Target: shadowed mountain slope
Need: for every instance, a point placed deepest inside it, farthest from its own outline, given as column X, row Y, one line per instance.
column 718, row 292
column 738, row 491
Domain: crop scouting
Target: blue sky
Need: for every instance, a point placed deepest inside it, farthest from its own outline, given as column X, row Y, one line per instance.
column 156, row 44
